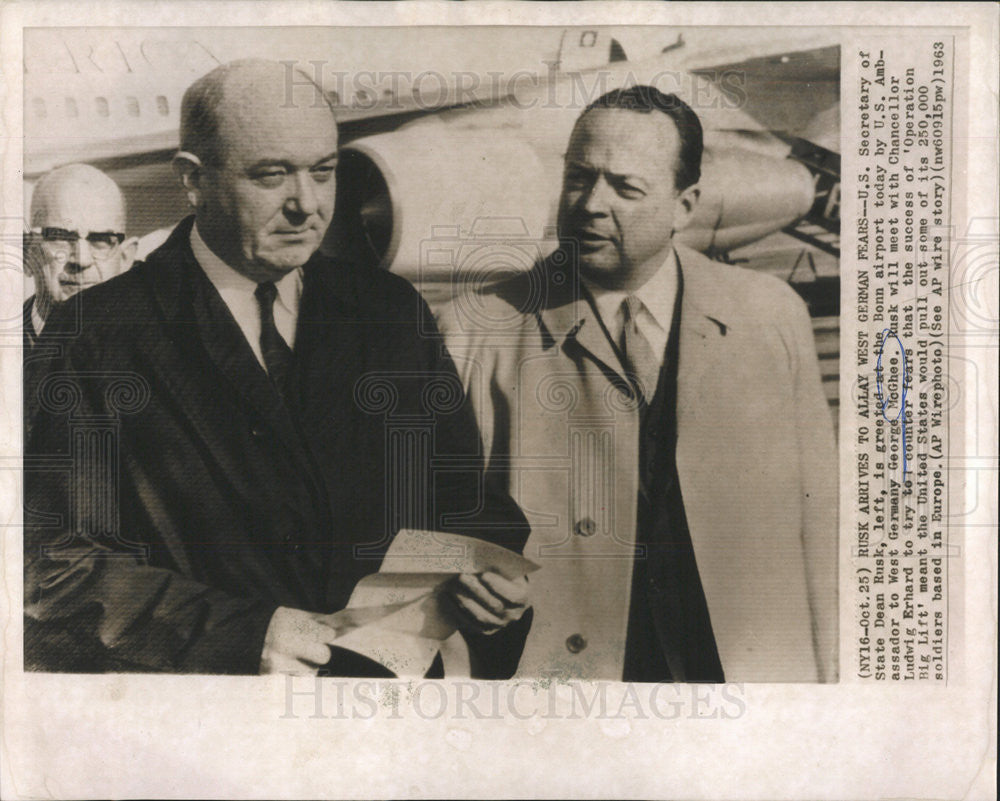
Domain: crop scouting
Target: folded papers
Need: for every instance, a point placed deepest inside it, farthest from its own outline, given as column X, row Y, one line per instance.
column 394, row 616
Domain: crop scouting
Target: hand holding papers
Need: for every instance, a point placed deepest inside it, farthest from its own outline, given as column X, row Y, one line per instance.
column 296, row 642
column 484, row 603
column 396, row 617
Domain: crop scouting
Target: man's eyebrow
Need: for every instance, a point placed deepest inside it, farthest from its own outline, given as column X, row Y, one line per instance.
column 257, row 165
column 287, row 163
column 611, row 176
column 629, row 178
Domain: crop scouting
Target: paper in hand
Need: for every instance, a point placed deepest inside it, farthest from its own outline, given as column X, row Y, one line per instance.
column 393, row 617
column 435, row 552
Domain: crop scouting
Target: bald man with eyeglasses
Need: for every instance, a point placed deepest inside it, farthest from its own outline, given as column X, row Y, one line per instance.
column 77, row 239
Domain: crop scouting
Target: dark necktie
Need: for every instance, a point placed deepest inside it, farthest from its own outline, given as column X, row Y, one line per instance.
column 277, row 354
column 640, row 361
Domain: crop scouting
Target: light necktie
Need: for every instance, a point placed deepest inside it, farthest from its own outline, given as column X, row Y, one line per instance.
column 639, row 359
column 277, row 354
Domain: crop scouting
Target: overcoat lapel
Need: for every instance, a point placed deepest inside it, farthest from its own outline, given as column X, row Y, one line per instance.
column 707, row 429
column 570, row 319
column 704, row 359
column 198, row 324
column 330, row 340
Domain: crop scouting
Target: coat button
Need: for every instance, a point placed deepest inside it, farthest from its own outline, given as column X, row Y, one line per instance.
column 585, row 527
column 575, row 643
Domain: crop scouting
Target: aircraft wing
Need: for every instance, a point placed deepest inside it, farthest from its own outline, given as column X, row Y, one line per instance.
column 120, row 98
column 795, row 93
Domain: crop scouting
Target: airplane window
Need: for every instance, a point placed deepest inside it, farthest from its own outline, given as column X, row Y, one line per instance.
column 101, row 103
column 162, row 106
column 71, row 107
column 132, row 105
column 40, row 110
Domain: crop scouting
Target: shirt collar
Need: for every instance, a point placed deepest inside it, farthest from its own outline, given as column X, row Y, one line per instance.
column 657, row 295
column 227, row 279
column 37, row 323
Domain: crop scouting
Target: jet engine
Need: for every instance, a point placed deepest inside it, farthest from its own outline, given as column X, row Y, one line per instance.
column 400, row 193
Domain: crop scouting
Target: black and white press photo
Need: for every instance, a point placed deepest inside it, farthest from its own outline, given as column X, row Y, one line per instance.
column 497, row 399
column 288, row 311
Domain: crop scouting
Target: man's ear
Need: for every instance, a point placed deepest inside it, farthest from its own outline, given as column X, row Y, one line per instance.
column 188, row 169
column 685, row 206
column 128, row 249
column 33, row 257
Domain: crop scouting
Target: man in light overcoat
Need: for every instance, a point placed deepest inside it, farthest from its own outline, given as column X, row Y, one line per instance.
column 659, row 417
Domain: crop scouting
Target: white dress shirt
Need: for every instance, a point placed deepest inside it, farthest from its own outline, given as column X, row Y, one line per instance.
column 655, row 317
column 37, row 323
column 237, row 292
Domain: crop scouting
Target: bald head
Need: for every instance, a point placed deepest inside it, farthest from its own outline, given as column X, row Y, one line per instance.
column 219, row 105
column 78, row 239
column 257, row 160
column 77, row 196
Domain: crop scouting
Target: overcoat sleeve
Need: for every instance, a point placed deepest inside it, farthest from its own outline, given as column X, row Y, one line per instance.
column 92, row 601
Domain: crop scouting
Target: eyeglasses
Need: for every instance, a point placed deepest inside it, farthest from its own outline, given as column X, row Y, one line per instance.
column 101, row 243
